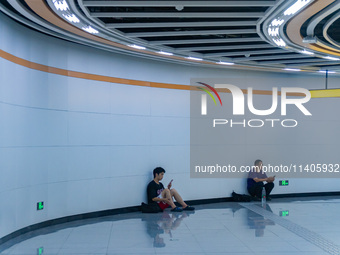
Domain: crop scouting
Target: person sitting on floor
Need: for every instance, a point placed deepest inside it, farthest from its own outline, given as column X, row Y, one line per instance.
column 255, row 181
column 158, row 194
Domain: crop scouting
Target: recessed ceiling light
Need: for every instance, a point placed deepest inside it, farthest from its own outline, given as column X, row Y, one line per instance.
column 137, row 46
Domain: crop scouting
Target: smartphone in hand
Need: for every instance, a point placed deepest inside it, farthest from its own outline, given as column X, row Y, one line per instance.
column 170, row 183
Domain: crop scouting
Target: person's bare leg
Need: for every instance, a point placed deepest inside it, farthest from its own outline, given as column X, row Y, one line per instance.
column 166, row 194
column 178, row 198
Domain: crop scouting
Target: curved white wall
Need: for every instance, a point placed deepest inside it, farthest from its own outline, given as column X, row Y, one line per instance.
column 82, row 146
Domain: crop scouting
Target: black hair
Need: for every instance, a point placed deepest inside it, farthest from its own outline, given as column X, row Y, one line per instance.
column 257, row 162
column 158, row 170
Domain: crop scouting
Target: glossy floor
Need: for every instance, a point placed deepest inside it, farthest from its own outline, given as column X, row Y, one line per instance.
column 283, row 226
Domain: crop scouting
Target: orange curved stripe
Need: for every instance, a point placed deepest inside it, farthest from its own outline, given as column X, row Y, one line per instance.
column 87, row 76
column 103, row 78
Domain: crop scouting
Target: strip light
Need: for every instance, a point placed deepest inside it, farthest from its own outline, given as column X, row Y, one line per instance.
column 64, row 10
column 165, row 53
column 273, row 31
column 61, row 5
column 279, row 42
column 324, row 71
column 296, row 7
column 306, row 52
column 90, row 30
column 193, row 58
column 71, row 18
column 332, row 58
column 137, row 47
column 277, row 22
column 275, row 26
column 225, row 63
column 292, row 69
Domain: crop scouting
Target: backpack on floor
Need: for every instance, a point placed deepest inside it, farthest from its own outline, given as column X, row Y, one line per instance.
column 150, row 208
column 240, row 198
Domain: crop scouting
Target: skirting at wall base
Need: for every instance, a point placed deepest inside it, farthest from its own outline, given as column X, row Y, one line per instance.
column 25, row 233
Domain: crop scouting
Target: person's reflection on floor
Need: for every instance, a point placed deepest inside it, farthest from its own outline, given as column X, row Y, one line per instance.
column 154, row 229
column 258, row 222
column 163, row 223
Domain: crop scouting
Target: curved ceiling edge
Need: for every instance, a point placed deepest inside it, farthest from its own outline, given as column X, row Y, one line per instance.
column 317, row 46
column 295, row 24
column 286, row 30
column 40, row 8
column 236, row 35
column 327, row 25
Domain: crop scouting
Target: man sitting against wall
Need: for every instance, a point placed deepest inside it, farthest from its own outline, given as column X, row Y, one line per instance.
column 157, row 193
column 255, row 181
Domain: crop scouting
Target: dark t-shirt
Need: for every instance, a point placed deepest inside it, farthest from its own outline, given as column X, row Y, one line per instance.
column 154, row 190
column 254, row 174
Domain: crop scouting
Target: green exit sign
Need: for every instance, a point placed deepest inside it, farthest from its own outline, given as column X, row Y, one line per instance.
column 284, row 183
column 284, row 213
column 40, row 251
column 40, row 206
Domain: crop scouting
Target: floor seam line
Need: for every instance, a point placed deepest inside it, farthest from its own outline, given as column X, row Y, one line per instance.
column 308, row 235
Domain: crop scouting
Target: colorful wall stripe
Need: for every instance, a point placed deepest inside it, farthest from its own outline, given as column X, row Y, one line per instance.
column 103, row 78
column 323, row 93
